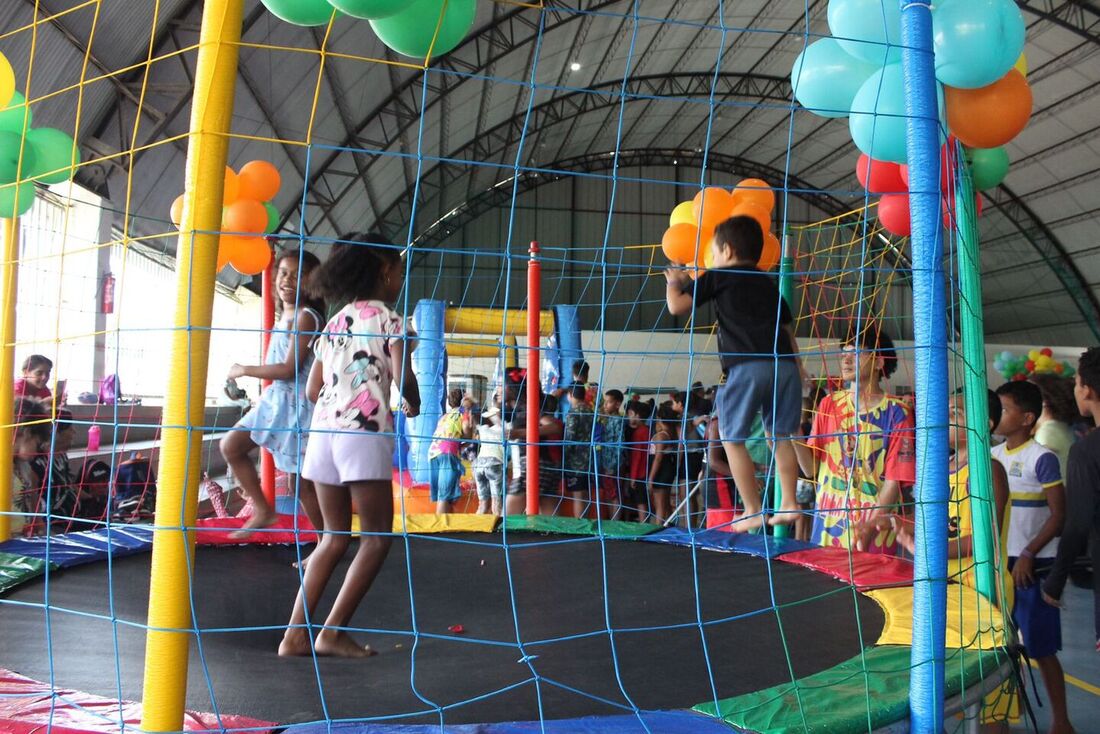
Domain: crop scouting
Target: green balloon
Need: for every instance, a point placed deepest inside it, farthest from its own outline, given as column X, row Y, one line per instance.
column 272, row 217
column 988, row 166
column 56, row 154
column 10, row 143
column 11, row 117
column 16, row 199
column 370, row 9
column 300, row 12
column 411, row 32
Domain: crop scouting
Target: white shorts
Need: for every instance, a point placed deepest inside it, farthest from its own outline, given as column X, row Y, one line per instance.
column 333, row 457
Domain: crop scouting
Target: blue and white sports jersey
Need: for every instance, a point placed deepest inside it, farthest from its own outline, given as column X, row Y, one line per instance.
column 1031, row 469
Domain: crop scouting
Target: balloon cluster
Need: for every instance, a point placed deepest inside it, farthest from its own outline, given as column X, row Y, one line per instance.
column 692, row 223
column 27, row 154
column 1036, row 362
column 409, row 27
column 247, row 215
column 984, row 99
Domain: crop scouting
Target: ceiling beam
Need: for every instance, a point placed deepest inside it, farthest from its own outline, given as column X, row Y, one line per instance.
column 505, row 34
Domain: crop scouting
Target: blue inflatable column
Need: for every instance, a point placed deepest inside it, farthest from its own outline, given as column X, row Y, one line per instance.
column 567, row 331
column 926, row 689
column 429, row 361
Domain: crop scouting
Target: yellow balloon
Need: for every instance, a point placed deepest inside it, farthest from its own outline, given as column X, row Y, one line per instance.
column 7, row 82
column 1021, row 64
column 682, row 214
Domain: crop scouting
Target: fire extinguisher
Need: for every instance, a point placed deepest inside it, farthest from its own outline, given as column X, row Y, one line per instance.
column 107, row 300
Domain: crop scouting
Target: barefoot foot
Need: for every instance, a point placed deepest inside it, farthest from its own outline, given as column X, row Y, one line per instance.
column 295, row 643
column 254, row 523
column 302, row 563
column 748, row 524
column 785, row 515
column 339, row 644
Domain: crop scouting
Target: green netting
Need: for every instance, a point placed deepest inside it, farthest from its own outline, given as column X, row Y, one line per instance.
column 843, row 699
column 15, row 570
column 577, row 526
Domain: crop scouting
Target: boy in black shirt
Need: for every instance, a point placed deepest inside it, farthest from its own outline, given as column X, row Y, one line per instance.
column 759, row 357
column 1082, row 488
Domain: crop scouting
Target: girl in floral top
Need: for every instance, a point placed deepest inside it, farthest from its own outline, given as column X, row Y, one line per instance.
column 349, row 454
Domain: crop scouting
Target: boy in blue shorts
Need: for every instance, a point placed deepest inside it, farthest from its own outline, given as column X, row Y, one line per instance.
column 1037, row 501
column 759, row 357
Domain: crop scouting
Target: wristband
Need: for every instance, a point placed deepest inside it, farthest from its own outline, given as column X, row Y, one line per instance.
column 1025, row 553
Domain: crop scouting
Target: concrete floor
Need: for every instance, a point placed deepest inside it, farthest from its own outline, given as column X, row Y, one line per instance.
column 1081, row 663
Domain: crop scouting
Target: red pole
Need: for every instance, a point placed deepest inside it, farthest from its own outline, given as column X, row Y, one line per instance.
column 534, row 393
column 267, row 297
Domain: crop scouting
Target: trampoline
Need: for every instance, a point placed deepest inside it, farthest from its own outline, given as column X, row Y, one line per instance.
column 690, row 626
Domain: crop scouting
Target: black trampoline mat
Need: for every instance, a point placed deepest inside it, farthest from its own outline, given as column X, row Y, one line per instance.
column 559, row 593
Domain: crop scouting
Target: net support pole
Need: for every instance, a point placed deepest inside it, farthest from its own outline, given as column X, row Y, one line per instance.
column 786, row 290
column 267, row 461
column 975, row 384
column 9, row 277
column 926, row 690
column 168, row 635
column 534, row 390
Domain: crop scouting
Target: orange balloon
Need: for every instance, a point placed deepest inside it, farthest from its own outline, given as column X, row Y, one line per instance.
column 989, row 116
column 678, row 243
column 258, row 180
column 176, row 212
column 755, row 190
column 231, row 187
column 245, row 215
column 769, row 255
column 711, row 207
column 753, row 209
column 250, row 256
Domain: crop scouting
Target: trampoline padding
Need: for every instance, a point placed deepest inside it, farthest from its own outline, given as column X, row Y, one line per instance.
column 577, row 526
column 17, row 569
column 89, row 546
column 664, row 722
column 862, row 570
column 31, row 707
column 857, row 696
column 753, row 544
column 972, row 622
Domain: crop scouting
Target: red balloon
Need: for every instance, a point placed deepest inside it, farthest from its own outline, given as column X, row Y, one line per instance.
column 1029, row 365
column 893, row 214
column 879, row 177
column 1046, row 352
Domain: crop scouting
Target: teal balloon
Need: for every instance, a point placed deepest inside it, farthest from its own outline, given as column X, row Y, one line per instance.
column 976, row 42
column 300, row 12
column 272, row 217
column 988, row 166
column 11, row 117
column 411, row 32
column 867, row 29
column 369, row 9
column 878, row 117
column 56, row 155
column 826, row 78
column 16, row 199
column 10, row 145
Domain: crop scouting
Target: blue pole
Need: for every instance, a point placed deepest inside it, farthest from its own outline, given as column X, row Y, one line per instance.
column 926, row 688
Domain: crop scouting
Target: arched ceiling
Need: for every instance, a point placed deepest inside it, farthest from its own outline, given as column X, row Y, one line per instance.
column 656, row 77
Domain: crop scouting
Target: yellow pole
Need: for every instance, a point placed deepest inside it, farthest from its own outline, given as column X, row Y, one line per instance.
column 167, row 641
column 9, row 279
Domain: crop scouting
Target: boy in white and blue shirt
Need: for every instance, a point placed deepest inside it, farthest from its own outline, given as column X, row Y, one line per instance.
column 1037, row 512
